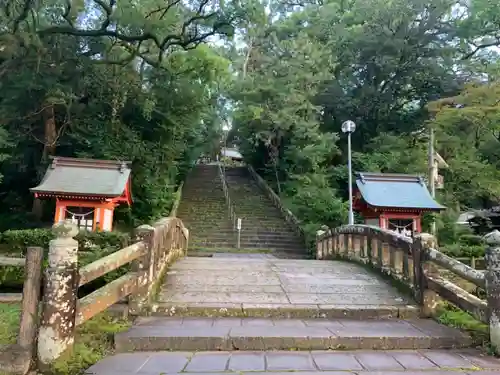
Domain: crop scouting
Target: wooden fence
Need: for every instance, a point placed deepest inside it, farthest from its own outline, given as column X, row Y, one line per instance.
column 414, row 263
column 61, row 311
column 25, row 345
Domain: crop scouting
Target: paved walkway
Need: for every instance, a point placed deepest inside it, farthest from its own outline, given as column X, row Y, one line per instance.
column 319, row 362
column 243, row 282
column 216, row 312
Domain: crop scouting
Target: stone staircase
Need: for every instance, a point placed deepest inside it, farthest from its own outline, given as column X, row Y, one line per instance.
column 204, row 211
column 263, row 225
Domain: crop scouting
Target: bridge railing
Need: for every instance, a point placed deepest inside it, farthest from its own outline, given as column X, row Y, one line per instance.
column 419, row 266
column 62, row 311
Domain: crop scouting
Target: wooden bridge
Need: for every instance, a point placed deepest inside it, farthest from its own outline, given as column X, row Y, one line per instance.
column 368, row 289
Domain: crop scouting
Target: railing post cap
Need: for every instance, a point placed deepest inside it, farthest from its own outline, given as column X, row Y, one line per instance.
column 427, row 239
column 143, row 229
column 65, row 229
column 492, row 238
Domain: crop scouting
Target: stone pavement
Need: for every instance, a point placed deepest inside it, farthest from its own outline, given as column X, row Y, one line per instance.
column 429, row 362
column 262, row 286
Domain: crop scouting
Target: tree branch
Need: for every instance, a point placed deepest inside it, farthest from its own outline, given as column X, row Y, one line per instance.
column 479, row 47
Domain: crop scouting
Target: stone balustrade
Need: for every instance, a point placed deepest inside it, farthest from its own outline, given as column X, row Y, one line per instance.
column 415, row 262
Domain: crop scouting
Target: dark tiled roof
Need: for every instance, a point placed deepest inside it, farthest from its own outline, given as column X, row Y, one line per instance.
column 104, row 178
column 395, row 191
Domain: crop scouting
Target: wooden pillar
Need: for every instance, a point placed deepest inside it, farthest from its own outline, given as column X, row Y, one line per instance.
column 59, row 214
column 418, row 224
column 28, row 326
column 381, row 222
column 492, row 276
column 57, row 329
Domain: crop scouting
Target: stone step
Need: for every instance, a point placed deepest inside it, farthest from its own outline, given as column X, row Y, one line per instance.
column 179, row 308
column 227, row 230
column 332, row 362
column 213, row 334
column 267, row 226
column 201, row 242
column 233, row 252
column 208, row 241
column 255, row 237
column 254, row 233
column 217, row 204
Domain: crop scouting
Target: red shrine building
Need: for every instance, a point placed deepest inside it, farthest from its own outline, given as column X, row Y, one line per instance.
column 86, row 191
column 393, row 201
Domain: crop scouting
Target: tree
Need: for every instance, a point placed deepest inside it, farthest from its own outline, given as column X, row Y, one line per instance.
column 468, row 136
column 379, row 64
column 61, row 97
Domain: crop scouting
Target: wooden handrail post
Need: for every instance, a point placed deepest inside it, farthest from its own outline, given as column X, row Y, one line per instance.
column 31, row 298
column 57, row 330
column 492, row 278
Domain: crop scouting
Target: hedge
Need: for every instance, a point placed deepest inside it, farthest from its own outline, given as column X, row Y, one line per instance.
column 16, row 241
column 93, row 245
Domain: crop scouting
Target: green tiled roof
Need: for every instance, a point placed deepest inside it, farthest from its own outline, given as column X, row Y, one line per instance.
column 104, row 178
column 395, row 191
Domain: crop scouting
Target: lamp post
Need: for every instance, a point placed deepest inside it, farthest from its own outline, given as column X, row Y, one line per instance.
column 349, row 127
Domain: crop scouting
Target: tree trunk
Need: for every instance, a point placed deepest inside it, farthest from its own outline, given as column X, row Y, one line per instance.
column 49, row 149
column 247, row 58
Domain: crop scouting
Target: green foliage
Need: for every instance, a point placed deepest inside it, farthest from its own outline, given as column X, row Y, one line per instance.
column 98, row 93
column 9, row 323
column 388, row 66
column 16, row 241
column 452, row 316
column 93, row 341
column 92, row 246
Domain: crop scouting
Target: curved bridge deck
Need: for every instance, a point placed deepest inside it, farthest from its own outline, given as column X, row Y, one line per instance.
column 264, row 285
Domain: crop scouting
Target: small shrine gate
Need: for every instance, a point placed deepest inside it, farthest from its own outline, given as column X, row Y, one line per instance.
column 393, row 201
column 87, row 191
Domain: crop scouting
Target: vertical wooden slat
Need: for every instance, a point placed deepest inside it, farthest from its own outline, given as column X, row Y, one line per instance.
column 31, row 297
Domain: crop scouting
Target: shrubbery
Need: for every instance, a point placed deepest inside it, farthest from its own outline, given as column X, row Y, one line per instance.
column 91, row 245
column 456, row 240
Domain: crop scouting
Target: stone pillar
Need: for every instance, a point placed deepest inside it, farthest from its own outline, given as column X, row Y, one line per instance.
column 492, row 275
column 319, row 245
column 418, row 259
column 356, row 246
column 57, row 329
column 145, row 268
column 429, row 299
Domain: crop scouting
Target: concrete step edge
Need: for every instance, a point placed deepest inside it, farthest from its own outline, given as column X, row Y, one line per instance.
column 357, row 312
column 211, row 334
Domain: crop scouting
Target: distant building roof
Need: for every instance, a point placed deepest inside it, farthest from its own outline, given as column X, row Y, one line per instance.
column 231, row 153
column 87, row 177
column 395, row 191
